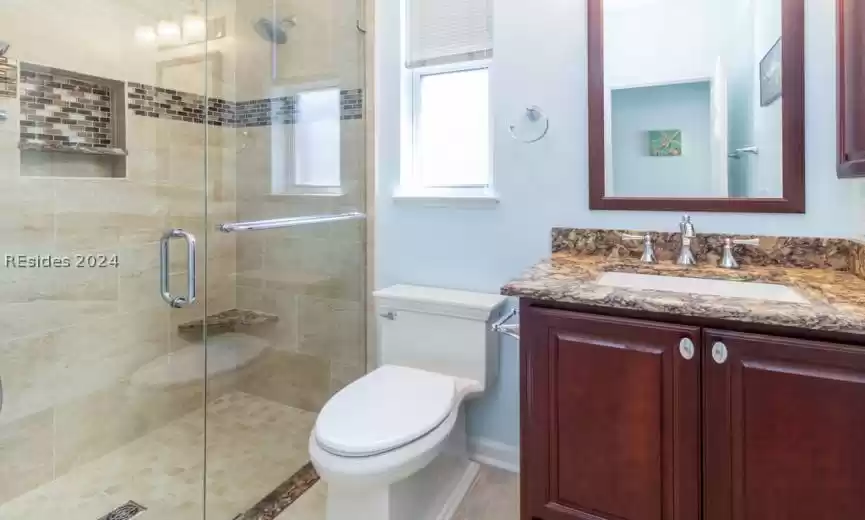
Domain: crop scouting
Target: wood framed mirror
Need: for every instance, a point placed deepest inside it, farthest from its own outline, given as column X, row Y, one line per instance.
column 696, row 105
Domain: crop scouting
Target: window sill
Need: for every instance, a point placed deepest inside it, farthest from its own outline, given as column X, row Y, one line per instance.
column 448, row 197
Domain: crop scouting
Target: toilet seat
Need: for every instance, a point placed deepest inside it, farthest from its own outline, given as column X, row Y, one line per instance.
column 384, row 410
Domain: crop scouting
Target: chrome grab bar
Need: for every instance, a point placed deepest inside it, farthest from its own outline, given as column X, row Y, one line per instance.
column 177, row 301
column 501, row 326
column 258, row 225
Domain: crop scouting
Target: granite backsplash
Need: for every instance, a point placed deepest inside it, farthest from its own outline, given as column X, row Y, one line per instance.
column 801, row 252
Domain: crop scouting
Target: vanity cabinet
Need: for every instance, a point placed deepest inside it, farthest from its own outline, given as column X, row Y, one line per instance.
column 784, row 428
column 632, row 419
column 851, row 88
column 611, row 418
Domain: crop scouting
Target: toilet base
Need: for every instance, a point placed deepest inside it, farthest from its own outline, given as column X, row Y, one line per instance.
column 433, row 493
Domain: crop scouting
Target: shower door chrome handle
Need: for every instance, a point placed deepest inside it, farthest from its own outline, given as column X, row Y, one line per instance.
column 164, row 263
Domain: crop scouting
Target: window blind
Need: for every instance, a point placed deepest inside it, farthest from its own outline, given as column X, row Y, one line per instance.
column 448, row 31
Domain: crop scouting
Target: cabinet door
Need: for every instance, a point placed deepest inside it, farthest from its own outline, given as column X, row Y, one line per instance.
column 784, row 429
column 610, row 418
column 851, row 88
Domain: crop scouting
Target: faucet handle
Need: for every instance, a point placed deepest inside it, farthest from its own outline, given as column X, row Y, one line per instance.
column 686, row 227
column 728, row 261
column 648, row 247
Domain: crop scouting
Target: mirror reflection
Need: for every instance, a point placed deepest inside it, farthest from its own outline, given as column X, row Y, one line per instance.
column 693, row 98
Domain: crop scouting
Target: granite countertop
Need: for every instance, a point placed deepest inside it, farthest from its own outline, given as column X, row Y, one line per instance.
column 837, row 297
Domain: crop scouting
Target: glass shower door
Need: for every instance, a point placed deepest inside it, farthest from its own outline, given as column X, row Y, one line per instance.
column 103, row 147
column 287, row 274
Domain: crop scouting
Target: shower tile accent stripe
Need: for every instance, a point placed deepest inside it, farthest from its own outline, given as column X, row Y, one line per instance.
column 162, row 103
column 351, row 104
column 8, row 78
column 266, row 112
column 147, row 100
column 58, row 109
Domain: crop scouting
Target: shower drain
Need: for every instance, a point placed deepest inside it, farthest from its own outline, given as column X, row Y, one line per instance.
column 125, row 512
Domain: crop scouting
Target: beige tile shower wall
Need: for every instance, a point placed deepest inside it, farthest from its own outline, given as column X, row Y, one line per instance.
column 311, row 277
column 72, row 340
column 97, row 37
column 324, row 47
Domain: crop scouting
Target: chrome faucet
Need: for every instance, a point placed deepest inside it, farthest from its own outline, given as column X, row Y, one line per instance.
column 686, row 254
column 648, row 247
column 729, row 259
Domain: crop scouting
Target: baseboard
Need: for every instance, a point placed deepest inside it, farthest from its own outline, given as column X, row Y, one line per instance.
column 494, row 453
column 460, row 491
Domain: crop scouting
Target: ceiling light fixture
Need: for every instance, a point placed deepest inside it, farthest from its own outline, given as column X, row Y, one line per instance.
column 168, row 32
column 194, row 28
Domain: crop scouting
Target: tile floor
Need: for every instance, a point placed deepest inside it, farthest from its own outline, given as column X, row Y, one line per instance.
column 253, row 445
column 494, row 496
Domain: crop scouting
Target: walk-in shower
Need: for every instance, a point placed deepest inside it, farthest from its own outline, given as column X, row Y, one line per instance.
column 125, row 126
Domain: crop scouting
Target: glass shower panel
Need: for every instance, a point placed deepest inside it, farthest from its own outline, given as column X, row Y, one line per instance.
column 288, row 325
column 103, row 149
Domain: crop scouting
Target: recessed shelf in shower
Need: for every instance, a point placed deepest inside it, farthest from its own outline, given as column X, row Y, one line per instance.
column 71, row 124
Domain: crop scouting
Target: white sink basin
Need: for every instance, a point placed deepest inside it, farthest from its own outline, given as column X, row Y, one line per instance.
column 723, row 288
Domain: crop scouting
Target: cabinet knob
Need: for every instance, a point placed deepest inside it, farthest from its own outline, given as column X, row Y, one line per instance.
column 686, row 348
column 719, row 353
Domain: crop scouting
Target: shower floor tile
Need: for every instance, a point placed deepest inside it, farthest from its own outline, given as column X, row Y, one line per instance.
column 253, row 446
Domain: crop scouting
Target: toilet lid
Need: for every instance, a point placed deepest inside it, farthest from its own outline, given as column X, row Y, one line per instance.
column 386, row 409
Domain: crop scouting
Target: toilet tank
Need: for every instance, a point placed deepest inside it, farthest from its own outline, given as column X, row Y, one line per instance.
column 440, row 330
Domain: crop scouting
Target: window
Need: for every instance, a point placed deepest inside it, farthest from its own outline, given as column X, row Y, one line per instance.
column 448, row 50
column 452, row 130
column 306, row 155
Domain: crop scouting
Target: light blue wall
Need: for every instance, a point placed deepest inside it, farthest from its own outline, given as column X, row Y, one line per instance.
column 540, row 58
column 686, row 107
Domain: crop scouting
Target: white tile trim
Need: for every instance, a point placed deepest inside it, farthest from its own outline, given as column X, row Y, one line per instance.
column 495, row 454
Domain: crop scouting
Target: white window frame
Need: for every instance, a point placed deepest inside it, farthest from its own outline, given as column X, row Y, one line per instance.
column 289, row 181
column 410, row 185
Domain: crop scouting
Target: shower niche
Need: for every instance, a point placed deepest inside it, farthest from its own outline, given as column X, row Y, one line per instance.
column 71, row 124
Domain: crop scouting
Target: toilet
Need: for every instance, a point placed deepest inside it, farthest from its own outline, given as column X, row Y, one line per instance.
column 393, row 445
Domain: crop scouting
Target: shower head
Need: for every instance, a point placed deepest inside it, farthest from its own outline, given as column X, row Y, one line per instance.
column 274, row 32
column 4, row 48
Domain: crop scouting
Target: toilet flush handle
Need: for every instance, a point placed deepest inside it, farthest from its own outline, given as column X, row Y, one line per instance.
column 502, row 327
column 388, row 315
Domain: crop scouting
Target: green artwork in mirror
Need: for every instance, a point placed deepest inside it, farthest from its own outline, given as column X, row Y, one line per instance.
column 665, row 143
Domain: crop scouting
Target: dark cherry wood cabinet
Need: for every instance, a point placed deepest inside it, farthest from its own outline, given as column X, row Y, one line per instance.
column 622, row 420
column 784, row 426
column 612, row 421
column 851, row 88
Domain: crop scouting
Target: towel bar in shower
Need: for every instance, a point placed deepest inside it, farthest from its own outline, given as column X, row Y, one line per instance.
column 259, row 225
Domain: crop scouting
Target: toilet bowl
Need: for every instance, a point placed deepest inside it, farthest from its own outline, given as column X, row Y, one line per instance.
column 393, row 445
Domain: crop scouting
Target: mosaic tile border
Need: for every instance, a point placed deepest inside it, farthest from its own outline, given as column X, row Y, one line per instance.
column 351, row 104
column 266, row 112
column 283, row 496
column 60, row 109
column 162, row 103
column 8, row 78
